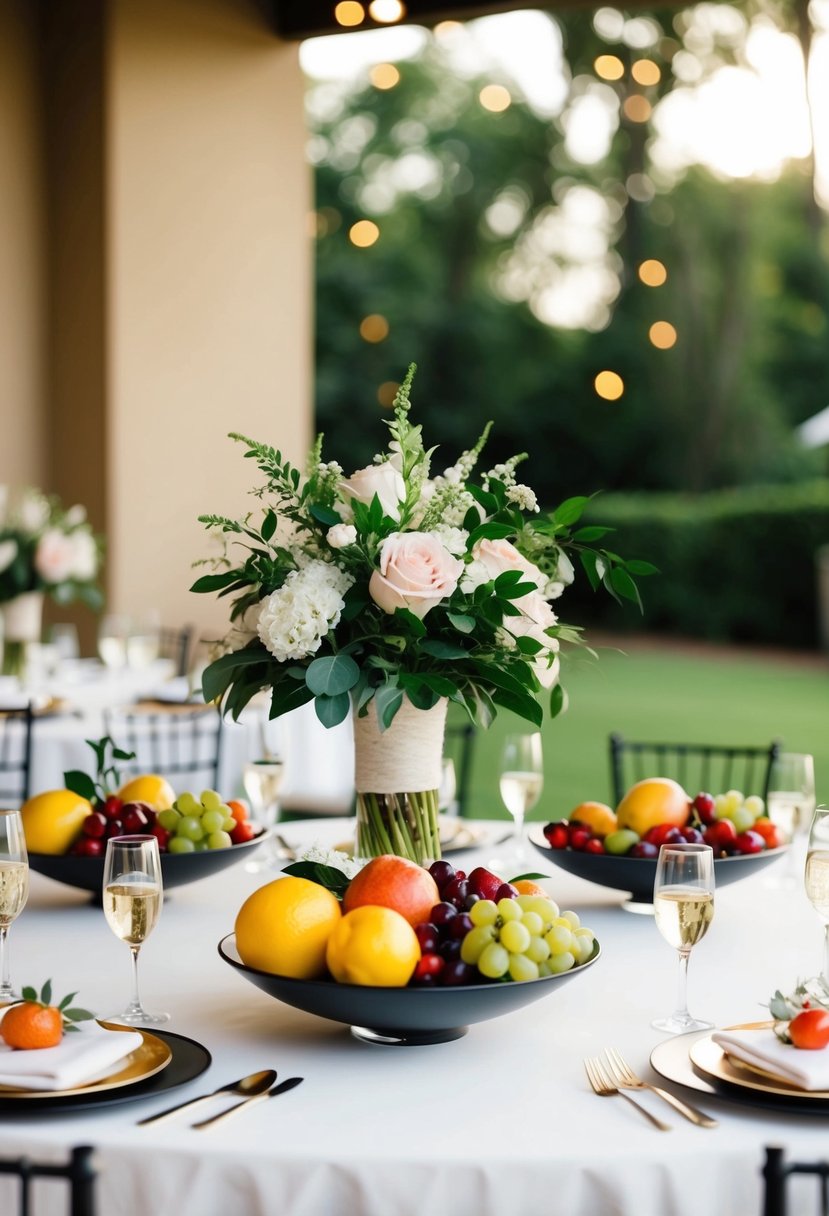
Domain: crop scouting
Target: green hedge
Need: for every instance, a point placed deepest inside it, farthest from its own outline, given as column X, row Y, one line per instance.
column 736, row 565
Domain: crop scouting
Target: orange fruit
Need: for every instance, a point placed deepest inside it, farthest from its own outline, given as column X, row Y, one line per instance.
column 31, row 1025
column 238, row 810
column 393, row 882
column 653, row 801
column 150, row 788
column 526, row 886
column 52, row 820
column 373, row 946
column 600, row 818
column 284, row 927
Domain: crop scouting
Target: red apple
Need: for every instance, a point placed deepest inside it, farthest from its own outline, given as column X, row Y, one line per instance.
column 720, row 835
column 483, row 882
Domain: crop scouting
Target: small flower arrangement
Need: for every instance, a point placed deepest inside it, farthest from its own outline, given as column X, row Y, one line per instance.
column 44, row 548
column 397, row 582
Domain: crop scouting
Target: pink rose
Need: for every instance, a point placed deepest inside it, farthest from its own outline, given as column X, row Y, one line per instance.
column 384, row 480
column 416, row 572
column 55, row 556
column 498, row 556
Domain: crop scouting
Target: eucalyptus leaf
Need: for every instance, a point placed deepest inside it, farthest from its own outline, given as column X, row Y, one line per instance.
column 331, row 711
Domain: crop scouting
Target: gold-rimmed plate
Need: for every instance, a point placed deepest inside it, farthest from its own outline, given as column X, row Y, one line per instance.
column 718, row 1064
column 150, row 1057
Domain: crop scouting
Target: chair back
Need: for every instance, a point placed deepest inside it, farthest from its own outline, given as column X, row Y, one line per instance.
column 459, row 745
column 15, row 755
column 79, row 1172
column 181, row 741
column 776, row 1173
column 696, row 766
column 175, row 644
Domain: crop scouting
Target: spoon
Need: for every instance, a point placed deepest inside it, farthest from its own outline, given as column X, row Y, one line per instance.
column 282, row 1088
column 246, row 1087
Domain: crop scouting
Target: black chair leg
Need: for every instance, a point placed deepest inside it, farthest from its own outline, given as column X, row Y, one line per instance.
column 83, row 1181
column 774, row 1172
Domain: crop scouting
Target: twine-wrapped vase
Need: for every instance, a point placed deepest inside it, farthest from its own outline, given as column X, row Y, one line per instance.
column 397, row 775
column 22, row 623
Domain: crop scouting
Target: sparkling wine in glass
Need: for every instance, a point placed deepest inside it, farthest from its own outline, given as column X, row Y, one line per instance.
column 262, row 780
column 143, row 642
column 521, row 779
column 817, row 875
column 14, row 890
column 113, row 632
column 683, row 904
column 133, row 895
column 791, row 804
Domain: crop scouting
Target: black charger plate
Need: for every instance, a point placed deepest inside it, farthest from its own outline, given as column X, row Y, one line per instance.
column 190, row 1060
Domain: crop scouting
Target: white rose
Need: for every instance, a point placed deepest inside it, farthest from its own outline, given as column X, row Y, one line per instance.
column 416, row 572
column 75, row 515
column 341, row 535
column 85, row 556
column 54, row 556
column 536, row 617
column 384, row 480
column 33, row 512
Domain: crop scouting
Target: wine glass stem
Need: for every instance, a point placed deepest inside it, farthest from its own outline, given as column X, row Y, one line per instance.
column 5, row 982
column 519, row 816
column 682, row 986
column 826, row 952
column 136, row 999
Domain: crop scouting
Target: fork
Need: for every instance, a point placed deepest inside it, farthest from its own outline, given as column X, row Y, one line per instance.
column 626, row 1078
column 604, row 1087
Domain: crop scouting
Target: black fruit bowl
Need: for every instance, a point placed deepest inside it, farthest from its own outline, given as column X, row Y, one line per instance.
column 402, row 1017
column 637, row 874
column 176, row 868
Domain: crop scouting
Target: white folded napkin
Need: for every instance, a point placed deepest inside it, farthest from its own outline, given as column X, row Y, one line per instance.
column 174, row 692
column 78, row 1058
column 762, row 1048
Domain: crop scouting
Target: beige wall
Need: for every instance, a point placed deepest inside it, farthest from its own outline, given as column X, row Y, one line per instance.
column 22, row 259
column 209, row 281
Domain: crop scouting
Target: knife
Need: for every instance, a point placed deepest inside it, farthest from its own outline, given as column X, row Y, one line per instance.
column 273, row 1092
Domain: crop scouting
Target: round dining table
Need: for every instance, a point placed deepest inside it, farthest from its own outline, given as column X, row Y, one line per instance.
column 499, row 1122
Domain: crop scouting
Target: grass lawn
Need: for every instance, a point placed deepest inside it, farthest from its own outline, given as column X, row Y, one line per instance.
column 697, row 695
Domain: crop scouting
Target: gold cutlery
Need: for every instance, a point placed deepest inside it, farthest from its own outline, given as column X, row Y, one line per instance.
column 246, row 1087
column 604, row 1087
column 624, row 1076
column 282, row 1088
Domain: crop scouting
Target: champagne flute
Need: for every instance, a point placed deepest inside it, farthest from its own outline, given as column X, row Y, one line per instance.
column 132, row 903
column 791, row 804
column 112, row 641
column 14, row 890
column 817, row 875
column 521, row 780
column 683, row 905
column 262, row 780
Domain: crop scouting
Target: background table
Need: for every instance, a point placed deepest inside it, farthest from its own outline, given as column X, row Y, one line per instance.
column 499, row 1123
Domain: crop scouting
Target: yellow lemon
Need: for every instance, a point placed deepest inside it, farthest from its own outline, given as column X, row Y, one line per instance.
column 150, row 788
column 651, row 802
column 52, row 820
column 598, row 817
column 284, row 927
column 373, row 946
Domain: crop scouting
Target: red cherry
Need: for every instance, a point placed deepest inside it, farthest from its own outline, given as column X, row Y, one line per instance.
column 579, row 837
column 551, row 829
column 594, row 845
column 95, row 824
column 162, row 836
column 506, row 891
column 114, row 828
column 557, row 838
column 243, row 832
column 705, row 807
column 112, row 807
column 663, row 833
column 644, row 849
column 428, row 968
column 749, row 842
column 691, row 835
column 89, row 846
column 428, row 938
column 720, row 835
column 484, row 883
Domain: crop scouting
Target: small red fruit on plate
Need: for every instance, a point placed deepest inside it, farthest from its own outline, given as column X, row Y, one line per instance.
column 238, row 810
column 112, row 807
column 243, row 832
column 810, row 1029
column 428, row 968
column 506, row 891
column 594, row 845
column 556, row 834
column 162, row 836
column 579, row 837
column 691, row 835
column 720, row 835
column 749, row 842
column 95, row 824
column 644, row 848
column 705, row 807
column 664, row 833
column 770, row 832
column 484, row 883
column 88, row 846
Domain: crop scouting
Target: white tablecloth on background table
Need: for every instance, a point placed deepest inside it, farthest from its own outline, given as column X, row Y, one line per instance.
column 498, row 1123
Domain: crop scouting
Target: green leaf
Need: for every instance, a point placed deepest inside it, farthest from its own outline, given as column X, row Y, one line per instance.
column 570, row 510
column 635, row 566
column 46, row 993
column 330, row 877
column 332, row 675
column 387, row 701
column 220, row 674
column 80, row 783
column 268, row 525
column 215, row 582
column 287, row 696
column 418, row 691
column 414, row 622
column 324, row 515
column 558, row 700
column 524, row 706
column 439, row 649
column 29, row 994
column 67, row 1000
column 331, row 711
column 490, row 531
column 590, row 533
column 119, row 754
column 461, row 622
column 589, row 559
column 624, row 584
column 528, row 646
column 533, row 876
column 78, row 1015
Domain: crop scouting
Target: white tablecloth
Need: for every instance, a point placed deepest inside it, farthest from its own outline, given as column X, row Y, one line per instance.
column 499, row 1123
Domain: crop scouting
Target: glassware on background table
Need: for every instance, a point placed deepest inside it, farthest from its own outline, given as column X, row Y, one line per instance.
column 448, row 789
column 521, row 781
column 683, row 905
column 790, row 805
column 816, row 876
column 133, row 895
column 64, row 637
column 112, row 641
column 262, row 780
column 143, row 643
column 14, row 890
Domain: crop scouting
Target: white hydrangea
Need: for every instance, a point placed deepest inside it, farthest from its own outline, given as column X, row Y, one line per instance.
column 332, row 857
column 453, row 539
column 296, row 617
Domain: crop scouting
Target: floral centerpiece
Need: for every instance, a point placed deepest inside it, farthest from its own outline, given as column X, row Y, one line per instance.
column 392, row 592
column 44, row 550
